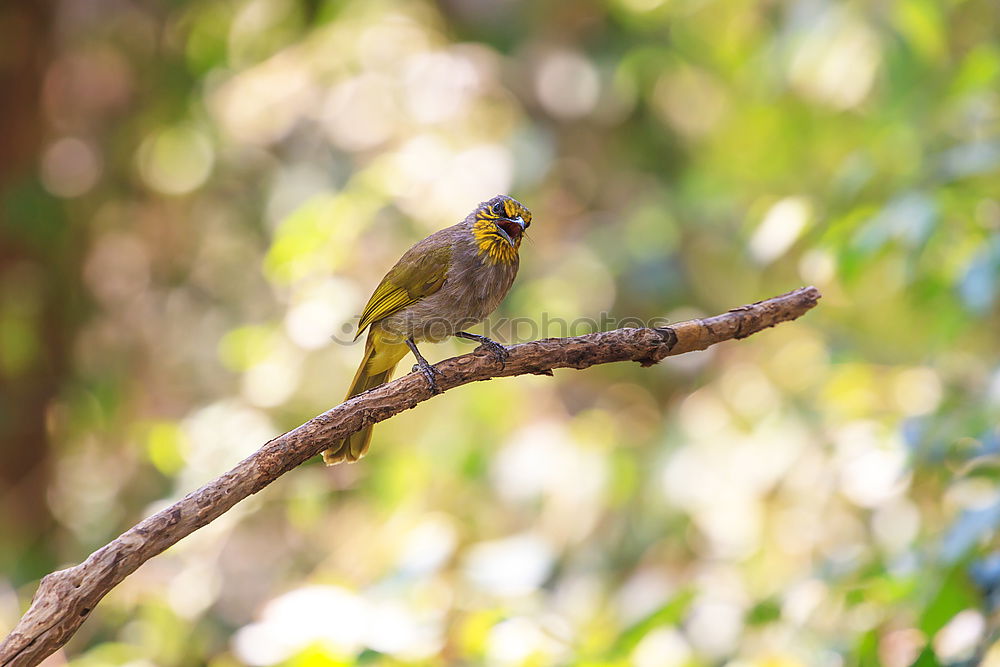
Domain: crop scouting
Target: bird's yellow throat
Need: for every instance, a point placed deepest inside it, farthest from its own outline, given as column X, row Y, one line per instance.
column 492, row 246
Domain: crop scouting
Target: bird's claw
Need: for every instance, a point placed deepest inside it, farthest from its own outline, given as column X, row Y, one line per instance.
column 425, row 368
column 500, row 353
column 428, row 372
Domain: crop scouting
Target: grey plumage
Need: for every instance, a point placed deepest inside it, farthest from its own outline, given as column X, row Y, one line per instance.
column 473, row 288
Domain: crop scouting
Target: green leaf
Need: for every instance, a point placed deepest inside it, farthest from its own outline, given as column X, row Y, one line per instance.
column 669, row 614
column 954, row 594
column 764, row 612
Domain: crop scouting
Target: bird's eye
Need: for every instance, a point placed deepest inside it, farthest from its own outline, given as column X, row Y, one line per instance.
column 499, row 209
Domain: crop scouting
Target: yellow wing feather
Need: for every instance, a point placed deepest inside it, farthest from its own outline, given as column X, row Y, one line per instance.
column 418, row 273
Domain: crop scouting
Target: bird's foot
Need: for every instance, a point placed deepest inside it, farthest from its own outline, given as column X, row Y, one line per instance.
column 428, row 370
column 500, row 353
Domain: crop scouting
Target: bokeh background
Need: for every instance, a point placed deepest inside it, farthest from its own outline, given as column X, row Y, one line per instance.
column 195, row 196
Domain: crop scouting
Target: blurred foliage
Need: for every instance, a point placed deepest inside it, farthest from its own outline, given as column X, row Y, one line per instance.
column 219, row 184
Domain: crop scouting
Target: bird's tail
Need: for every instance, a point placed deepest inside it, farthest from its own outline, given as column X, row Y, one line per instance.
column 376, row 368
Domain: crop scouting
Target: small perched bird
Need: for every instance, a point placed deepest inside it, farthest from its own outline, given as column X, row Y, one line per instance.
column 441, row 286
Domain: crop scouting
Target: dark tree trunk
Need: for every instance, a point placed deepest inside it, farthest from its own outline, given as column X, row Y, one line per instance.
column 33, row 335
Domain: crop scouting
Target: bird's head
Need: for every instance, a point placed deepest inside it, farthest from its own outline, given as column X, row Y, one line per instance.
column 498, row 227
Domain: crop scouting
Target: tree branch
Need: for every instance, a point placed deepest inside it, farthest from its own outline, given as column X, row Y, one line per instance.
column 65, row 598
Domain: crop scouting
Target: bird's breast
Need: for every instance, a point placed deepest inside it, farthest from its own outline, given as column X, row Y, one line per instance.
column 472, row 290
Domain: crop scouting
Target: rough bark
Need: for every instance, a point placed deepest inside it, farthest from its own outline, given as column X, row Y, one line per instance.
column 65, row 598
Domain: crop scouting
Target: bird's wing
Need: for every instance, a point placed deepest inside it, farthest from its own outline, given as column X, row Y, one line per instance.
column 418, row 273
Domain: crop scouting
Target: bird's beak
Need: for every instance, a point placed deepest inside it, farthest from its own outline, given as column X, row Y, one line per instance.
column 520, row 222
column 505, row 235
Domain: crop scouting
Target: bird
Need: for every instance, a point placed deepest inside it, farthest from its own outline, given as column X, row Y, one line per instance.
column 444, row 284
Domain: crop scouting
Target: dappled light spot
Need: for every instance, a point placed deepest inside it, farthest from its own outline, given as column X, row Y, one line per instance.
column 872, row 464
column 917, row 390
column 272, row 381
column 690, row 101
column 175, row 160
column 428, row 545
column 70, row 167
column 331, row 616
column 543, row 463
column 117, row 268
column 439, row 86
column 663, row 647
column 361, row 113
column 817, row 267
column 322, row 309
column 259, row 105
column 836, row 58
column 642, row 593
column 958, row 639
column 896, row 525
column 567, row 84
column 509, row 567
column 781, row 226
column 220, row 434
column 520, row 640
column 900, row 648
column 714, row 625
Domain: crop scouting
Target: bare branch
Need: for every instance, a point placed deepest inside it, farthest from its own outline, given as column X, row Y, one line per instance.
column 65, row 598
